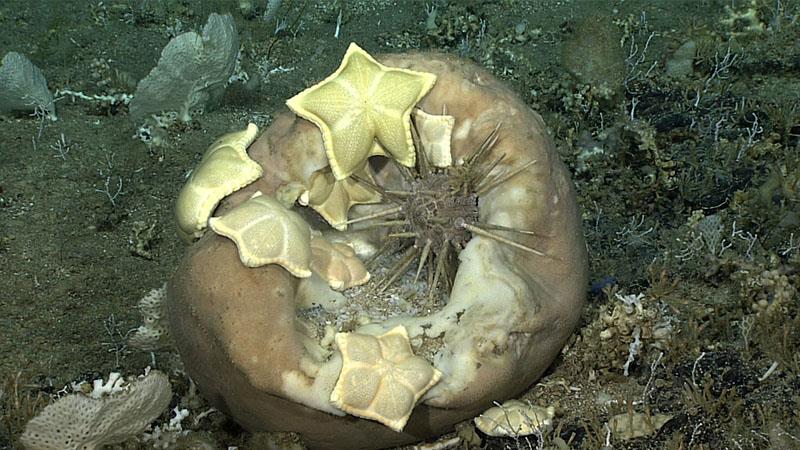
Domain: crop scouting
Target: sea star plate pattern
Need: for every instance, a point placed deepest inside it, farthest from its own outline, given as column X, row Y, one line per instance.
column 381, row 378
column 266, row 232
column 361, row 102
column 435, row 133
column 225, row 168
column 337, row 264
column 333, row 198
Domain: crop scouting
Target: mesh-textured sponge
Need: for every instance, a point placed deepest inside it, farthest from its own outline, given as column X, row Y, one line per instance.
column 78, row 421
column 192, row 72
column 153, row 335
column 23, row 87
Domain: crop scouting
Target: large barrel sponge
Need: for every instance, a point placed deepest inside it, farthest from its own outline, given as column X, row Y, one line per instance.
column 508, row 314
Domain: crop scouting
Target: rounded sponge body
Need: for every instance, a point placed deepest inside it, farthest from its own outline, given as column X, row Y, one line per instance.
column 507, row 317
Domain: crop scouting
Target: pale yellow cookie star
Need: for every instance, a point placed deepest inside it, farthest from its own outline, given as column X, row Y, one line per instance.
column 435, row 134
column 361, row 102
column 381, row 378
column 225, row 168
column 267, row 232
column 333, row 198
column 337, row 264
column 515, row 418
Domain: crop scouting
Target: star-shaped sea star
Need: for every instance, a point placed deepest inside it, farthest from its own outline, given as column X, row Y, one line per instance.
column 381, row 378
column 225, row 168
column 337, row 263
column 333, row 198
column 435, row 132
column 266, row 232
column 360, row 102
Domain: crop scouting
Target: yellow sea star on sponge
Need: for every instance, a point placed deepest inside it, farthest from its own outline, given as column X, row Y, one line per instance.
column 333, row 198
column 435, row 134
column 337, row 263
column 361, row 102
column 381, row 378
column 225, row 168
column 266, row 232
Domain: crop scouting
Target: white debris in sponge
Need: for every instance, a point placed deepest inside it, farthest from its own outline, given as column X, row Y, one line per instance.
column 153, row 335
column 120, row 412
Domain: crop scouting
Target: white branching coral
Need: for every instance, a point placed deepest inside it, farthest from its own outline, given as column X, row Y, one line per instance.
column 114, row 412
column 114, row 385
column 627, row 329
column 165, row 436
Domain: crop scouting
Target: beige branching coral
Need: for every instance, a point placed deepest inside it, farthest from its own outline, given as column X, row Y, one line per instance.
column 629, row 328
column 115, row 414
column 627, row 426
column 381, row 378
